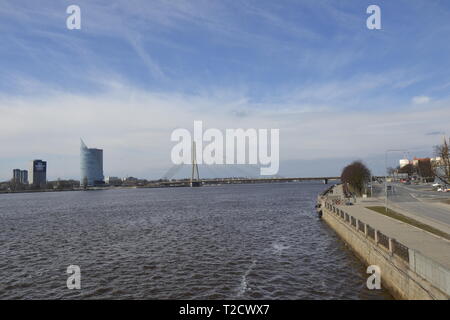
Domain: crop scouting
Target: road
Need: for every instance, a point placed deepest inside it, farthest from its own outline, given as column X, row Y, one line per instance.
column 418, row 201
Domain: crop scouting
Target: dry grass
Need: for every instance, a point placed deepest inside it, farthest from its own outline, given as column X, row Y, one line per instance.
column 395, row 215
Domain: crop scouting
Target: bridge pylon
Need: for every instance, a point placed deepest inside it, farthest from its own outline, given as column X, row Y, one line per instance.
column 195, row 177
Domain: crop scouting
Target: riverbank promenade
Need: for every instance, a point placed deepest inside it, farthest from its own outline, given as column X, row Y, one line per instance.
column 432, row 246
column 425, row 254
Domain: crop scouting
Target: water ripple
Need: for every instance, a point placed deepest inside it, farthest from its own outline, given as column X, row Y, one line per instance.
column 225, row 242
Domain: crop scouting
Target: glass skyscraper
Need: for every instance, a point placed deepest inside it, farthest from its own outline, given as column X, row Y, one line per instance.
column 38, row 173
column 91, row 166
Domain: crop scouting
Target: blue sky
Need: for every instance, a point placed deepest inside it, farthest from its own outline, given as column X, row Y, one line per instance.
column 138, row 69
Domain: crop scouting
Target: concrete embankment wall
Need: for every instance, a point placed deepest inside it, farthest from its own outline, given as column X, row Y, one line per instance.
column 407, row 274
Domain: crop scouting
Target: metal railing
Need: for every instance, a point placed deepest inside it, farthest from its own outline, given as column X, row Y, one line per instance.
column 361, row 226
column 425, row 267
column 370, row 232
column 392, row 245
column 400, row 250
column 383, row 239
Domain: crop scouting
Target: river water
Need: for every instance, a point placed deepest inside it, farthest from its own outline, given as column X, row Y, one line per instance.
column 260, row 241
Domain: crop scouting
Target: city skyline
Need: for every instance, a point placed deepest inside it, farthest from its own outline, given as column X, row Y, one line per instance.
column 137, row 71
column 184, row 171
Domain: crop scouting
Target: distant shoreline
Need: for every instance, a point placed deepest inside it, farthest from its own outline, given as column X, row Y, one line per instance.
column 176, row 184
column 68, row 190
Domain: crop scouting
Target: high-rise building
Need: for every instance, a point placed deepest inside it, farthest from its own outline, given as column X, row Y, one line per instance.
column 23, row 176
column 91, row 166
column 20, row 176
column 38, row 173
column 16, row 176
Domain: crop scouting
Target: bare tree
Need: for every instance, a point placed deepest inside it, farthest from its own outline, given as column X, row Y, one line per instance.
column 391, row 171
column 441, row 168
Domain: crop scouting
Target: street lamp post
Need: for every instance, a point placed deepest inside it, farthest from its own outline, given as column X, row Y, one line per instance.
column 371, row 185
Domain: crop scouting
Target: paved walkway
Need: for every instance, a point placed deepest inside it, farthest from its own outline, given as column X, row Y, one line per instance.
column 429, row 245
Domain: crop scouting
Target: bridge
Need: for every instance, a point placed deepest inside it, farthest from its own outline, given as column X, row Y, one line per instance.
column 195, row 181
column 221, row 181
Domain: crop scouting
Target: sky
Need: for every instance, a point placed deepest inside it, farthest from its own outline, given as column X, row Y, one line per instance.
column 137, row 70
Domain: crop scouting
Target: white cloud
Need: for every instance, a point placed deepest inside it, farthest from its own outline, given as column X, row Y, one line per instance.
column 134, row 127
column 421, row 100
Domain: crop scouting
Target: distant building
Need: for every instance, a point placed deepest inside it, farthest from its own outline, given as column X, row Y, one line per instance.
column 424, row 167
column 114, row 181
column 20, row 176
column 403, row 162
column 16, row 175
column 416, row 160
column 91, row 166
column 38, row 173
column 24, row 177
column 436, row 161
